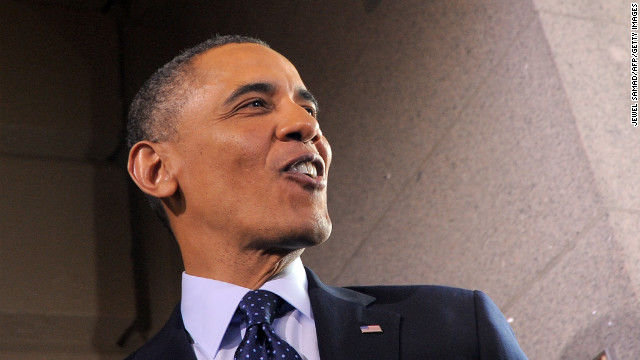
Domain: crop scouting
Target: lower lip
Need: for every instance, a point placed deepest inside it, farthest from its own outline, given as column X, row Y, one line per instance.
column 306, row 181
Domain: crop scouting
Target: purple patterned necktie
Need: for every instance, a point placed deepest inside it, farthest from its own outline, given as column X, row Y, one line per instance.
column 260, row 342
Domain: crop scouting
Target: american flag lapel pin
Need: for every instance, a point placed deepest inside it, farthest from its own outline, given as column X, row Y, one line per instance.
column 368, row 329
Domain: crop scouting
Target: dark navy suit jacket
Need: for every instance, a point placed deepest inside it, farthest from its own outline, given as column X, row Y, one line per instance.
column 418, row 322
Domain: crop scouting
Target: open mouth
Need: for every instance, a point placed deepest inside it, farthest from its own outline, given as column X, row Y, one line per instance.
column 306, row 168
column 308, row 165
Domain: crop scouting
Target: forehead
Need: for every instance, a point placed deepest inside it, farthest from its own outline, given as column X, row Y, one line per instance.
column 235, row 64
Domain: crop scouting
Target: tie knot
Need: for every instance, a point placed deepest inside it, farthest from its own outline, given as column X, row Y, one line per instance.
column 259, row 306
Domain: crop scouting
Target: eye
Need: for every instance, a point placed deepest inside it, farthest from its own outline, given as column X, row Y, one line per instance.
column 311, row 111
column 256, row 103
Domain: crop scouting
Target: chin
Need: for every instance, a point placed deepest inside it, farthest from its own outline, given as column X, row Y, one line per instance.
column 309, row 237
column 320, row 234
column 320, row 230
column 300, row 237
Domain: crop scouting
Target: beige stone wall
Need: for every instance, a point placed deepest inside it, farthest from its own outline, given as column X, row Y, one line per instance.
column 480, row 144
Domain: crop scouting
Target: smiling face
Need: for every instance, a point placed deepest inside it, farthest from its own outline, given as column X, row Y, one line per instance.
column 249, row 158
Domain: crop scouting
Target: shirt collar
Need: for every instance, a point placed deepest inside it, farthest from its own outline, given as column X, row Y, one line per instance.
column 291, row 285
column 208, row 305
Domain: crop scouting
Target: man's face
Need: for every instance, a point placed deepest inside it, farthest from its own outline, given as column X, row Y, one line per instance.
column 249, row 156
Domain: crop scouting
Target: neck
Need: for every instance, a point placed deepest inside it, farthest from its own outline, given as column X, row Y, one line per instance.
column 249, row 269
column 232, row 257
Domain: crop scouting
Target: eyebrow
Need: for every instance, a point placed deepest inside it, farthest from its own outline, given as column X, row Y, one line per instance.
column 266, row 88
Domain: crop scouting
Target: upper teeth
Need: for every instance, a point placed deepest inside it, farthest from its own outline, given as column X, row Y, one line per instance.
column 305, row 168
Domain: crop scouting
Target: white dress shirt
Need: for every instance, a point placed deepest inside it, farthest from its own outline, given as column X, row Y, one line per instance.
column 208, row 308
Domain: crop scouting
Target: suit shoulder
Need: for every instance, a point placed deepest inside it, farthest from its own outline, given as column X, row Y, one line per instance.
column 422, row 293
column 419, row 304
column 171, row 342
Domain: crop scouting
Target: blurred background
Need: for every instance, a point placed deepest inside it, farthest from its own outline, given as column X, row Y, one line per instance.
column 483, row 144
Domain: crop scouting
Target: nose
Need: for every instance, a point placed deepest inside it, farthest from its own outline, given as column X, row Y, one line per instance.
column 298, row 125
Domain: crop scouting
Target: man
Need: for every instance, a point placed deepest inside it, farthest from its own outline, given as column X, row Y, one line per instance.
column 225, row 142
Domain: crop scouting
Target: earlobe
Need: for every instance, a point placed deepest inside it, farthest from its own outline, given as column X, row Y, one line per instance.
column 148, row 168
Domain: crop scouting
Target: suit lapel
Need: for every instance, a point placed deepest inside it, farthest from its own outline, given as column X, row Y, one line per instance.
column 338, row 315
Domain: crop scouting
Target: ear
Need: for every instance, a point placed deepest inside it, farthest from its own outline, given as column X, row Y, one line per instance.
column 148, row 168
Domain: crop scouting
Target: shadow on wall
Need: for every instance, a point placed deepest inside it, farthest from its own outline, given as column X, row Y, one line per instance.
column 114, row 287
column 124, row 248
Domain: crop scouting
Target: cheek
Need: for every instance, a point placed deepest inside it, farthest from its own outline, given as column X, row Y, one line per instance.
column 239, row 158
column 329, row 156
column 228, row 158
column 247, row 150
